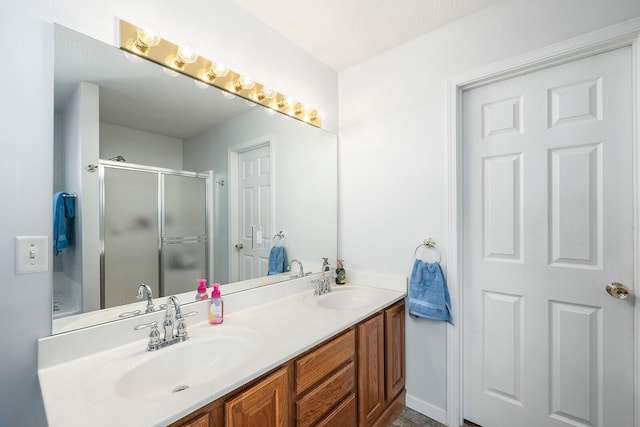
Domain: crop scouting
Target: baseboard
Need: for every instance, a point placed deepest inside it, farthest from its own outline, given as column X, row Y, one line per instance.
column 427, row 409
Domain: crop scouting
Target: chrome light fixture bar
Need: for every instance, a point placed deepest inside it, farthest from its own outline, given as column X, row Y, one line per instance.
column 145, row 44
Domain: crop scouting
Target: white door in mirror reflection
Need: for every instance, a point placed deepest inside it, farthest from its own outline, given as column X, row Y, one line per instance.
column 254, row 211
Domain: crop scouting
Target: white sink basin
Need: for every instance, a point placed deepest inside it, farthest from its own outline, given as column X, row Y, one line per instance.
column 141, row 375
column 342, row 298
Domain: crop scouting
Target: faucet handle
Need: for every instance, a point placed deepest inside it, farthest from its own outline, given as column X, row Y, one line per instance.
column 189, row 314
column 151, row 325
column 154, row 335
column 181, row 327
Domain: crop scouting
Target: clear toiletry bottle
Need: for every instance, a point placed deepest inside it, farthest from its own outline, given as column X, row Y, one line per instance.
column 341, row 274
column 216, row 308
column 202, row 290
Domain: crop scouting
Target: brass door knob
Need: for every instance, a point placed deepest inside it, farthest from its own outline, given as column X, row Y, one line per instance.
column 617, row 290
column 239, row 246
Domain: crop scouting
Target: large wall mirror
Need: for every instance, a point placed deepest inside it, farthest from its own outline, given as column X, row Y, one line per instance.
column 169, row 182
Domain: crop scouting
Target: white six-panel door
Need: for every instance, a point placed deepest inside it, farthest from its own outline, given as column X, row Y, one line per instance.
column 254, row 198
column 548, row 222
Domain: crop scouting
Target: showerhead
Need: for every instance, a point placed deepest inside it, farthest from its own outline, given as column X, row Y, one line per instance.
column 118, row 158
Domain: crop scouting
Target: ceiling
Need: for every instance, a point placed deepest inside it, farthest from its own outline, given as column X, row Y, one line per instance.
column 342, row 33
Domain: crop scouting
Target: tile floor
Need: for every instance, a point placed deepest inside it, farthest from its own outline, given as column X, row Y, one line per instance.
column 411, row 418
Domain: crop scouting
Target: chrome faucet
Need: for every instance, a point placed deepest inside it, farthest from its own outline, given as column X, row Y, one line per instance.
column 301, row 272
column 147, row 288
column 175, row 328
column 323, row 284
column 169, row 319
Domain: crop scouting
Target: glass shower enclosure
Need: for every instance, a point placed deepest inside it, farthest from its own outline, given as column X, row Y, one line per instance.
column 154, row 229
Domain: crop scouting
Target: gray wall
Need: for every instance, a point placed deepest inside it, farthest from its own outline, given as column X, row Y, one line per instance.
column 26, row 107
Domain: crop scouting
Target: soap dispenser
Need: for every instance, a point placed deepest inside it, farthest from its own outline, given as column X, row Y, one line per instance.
column 202, row 290
column 325, row 264
column 216, row 309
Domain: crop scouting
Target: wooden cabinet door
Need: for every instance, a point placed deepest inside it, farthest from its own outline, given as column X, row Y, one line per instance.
column 266, row 404
column 201, row 421
column 371, row 384
column 394, row 350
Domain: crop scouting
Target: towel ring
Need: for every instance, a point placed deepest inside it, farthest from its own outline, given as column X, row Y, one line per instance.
column 279, row 237
column 428, row 243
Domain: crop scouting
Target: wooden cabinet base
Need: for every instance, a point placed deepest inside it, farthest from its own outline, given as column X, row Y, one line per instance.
column 356, row 378
column 393, row 410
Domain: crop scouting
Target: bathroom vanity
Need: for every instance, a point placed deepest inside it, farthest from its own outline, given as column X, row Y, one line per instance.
column 354, row 379
column 282, row 357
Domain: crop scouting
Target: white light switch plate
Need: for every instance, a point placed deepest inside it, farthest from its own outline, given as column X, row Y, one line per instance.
column 32, row 254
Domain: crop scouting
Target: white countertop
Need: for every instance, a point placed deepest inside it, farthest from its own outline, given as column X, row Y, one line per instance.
column 285, row 325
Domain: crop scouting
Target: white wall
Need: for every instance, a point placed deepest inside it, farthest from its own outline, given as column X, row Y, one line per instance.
column 393, row 155
column 140, row 147
column 26, row 108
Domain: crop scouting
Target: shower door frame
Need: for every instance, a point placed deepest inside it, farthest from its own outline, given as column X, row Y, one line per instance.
column 160, row 172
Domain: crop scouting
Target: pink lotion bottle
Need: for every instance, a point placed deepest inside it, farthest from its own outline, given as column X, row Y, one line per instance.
column 202, row 290
column 216, row 308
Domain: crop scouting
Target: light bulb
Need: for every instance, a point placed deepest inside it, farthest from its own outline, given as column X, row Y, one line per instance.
column 288, row 101
column 217, row 69
column 269, row 111
column 265, row 93
column 244, row 83
column 228, row 95
column 184, row 56
column 220, row 69
column 249, row 103
column 146, row 39
column 314, row 115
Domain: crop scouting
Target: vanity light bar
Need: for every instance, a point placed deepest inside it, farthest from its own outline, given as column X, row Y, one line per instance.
column 140, row 43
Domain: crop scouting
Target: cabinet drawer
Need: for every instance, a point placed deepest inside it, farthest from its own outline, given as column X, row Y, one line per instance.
column 343, row 416
column 316, row 365
column 324, row 397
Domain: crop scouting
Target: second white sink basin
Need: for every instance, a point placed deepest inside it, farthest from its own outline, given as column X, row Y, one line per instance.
column 342, row 298
column 199, row 360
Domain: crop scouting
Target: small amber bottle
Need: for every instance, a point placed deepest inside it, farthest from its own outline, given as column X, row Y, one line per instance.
column 341, row 274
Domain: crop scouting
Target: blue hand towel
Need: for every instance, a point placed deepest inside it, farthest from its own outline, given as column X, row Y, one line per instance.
column 63, row 208
column 278, row 262
column 428, row 292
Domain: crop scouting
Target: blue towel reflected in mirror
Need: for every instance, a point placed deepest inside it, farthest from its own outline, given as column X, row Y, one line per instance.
column 64, row 208
column 278, row 262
